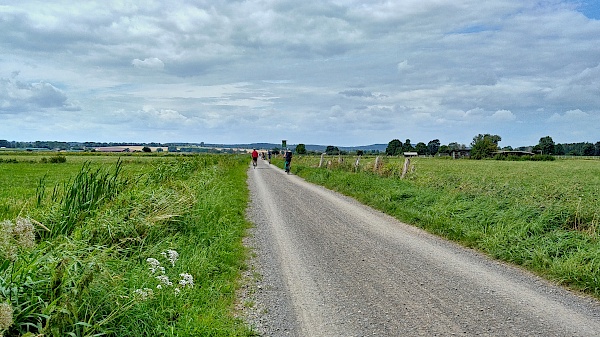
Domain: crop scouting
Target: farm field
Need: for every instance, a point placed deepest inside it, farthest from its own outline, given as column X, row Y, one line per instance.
column 543, row 216
column 137, row 245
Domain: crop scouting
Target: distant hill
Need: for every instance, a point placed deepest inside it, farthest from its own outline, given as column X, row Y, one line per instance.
column 83, row 146
column 309, row 147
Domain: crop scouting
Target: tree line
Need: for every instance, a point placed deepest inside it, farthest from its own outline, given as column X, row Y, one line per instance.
column 64, row 146
column 547, row 146
column 396, row 147
column 487, row 145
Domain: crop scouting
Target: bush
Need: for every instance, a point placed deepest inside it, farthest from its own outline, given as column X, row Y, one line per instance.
column 57, row 159
column 542, row 157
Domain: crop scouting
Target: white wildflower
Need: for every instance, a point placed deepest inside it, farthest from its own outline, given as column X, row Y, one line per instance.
column 186, row 280
column 164, row 279
column 177, row 291
column 171, row 255
column 6, row 317
column 144, row 294
column 7, row 249
column 159, row 286
column 154, row 265
column 24, row 233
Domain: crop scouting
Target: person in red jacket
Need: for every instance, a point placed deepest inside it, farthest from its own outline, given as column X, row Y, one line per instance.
column 254, row 158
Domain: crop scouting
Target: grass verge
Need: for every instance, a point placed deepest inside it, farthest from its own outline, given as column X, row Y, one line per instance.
column 152, row 248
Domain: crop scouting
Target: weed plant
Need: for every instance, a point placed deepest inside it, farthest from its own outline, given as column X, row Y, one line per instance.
column 86, row 274
column 541, row 215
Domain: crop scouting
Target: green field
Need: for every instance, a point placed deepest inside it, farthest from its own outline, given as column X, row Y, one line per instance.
column 541, row 215
column 100, row 223
column 97, row 219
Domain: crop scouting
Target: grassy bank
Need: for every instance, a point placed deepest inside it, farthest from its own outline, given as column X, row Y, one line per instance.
column 541, row 215
column 136, row 246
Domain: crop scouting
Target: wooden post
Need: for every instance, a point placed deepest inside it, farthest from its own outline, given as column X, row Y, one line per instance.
column 376, row 166
column 321, row 161
column 406, row 166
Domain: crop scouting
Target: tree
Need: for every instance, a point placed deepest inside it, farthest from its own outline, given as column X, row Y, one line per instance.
column 407, row 147
column 484, row 145
column 332, row 150
column 559, row 149
column 546, row 145
column 454, row 146
column 421, row 148
column 433, row 147
column 589, row 149
column 597, row 146
column 444, row 149
column 360, row 152
column 492, row 138
column 301, row 149
column 394, row 148
column 146, row 149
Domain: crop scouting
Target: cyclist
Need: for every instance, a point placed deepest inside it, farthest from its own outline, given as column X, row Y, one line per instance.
column 288, row 161
column 254, row 158
column 269, row 155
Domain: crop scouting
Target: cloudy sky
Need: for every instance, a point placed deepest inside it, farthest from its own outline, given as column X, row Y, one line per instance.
column 339, row 72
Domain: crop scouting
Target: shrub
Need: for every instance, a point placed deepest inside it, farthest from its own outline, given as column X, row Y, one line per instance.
column 57, row 159
column 542, row 157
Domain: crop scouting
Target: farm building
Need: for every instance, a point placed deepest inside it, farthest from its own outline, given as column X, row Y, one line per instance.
column 112, row 149
column 514, row 153
column 460, row 153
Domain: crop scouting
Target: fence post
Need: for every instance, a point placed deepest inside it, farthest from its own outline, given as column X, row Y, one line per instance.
column 405, row 168
column 321, row 161
column 376, row 166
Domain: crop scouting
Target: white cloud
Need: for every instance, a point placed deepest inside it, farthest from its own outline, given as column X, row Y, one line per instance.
column 149, row 63
column 404, row 66
column 211, row 67
column 17, row 96
column 503, row 116
column 570, row 117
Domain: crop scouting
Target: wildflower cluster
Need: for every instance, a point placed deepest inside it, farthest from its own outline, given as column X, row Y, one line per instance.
column 144, row 294
column 16, row 236
column 155, row 265
column 171, row 255
column 187, row 280
column 6, row 317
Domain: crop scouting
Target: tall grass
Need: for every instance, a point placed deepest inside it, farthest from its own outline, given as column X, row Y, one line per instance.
column 91, row 277
column 540, row 215
column 83, row 194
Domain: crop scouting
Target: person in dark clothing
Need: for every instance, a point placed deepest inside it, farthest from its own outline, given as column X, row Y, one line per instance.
column 288, row 161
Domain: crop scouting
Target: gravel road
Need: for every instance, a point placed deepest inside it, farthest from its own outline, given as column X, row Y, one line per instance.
column 330, row 266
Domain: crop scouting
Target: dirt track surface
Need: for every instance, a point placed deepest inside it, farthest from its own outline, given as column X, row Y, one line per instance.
column 330, row 266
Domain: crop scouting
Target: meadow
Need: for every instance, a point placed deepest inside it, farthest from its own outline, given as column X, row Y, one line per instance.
column 151, row 245
column 543, row 216
column 135, row 245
